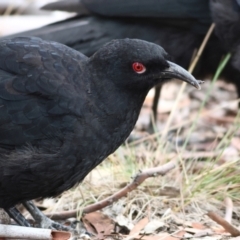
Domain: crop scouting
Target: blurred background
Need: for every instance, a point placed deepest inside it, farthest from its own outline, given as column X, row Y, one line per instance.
column 200, row 131
column 22, row 15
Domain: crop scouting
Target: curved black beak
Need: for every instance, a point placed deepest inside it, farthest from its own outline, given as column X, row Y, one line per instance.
column 175, row 71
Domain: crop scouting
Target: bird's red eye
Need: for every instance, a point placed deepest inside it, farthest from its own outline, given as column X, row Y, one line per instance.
column 138, row 67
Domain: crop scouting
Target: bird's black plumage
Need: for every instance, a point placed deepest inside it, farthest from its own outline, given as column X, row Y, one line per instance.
column 62, row 113
column 194, row 13
column 88, row 33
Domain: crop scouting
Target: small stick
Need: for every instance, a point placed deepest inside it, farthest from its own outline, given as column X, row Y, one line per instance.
column 229, row 209
column 138, row 179
column 16, row 232
column 226, row 225
column 62, row 215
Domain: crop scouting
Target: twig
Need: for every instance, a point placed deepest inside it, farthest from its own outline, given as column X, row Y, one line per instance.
column 227, row 226
column 229, row 209
column 62, row 215
column 16, row 232
column 138, row 179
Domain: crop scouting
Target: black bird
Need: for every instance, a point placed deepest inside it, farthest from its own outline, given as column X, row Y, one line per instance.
column 63, row 113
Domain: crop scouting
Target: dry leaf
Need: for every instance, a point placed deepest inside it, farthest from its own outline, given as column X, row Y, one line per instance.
column 139, row 226
column 198, row 225
column 100, row 223
column 152, row 226
column 124, row 222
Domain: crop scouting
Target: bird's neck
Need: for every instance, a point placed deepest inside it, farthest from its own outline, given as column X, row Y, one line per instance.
column 114, row 101
column 115, row 109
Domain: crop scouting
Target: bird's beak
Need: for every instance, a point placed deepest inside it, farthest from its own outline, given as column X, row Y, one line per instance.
column 175, row 71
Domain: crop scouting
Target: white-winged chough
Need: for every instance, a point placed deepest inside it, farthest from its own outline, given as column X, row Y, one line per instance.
column 62, row 113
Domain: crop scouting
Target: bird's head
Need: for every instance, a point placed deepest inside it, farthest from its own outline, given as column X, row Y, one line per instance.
column 138, row 64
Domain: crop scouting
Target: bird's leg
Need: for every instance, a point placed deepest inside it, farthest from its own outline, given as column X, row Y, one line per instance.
column 238, row 92
column 154, row 108
column 17, row 216
column 41, row 219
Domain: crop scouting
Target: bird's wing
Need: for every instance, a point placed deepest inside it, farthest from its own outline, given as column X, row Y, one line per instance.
column 195, row 9
column 194, row 14
column 150, row 8
column 87, row 34
column 37, row 80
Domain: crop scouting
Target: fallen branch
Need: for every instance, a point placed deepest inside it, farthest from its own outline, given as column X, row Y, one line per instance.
column 16, row 232
column 226, row 225
column 229, row 209
column 138, row 179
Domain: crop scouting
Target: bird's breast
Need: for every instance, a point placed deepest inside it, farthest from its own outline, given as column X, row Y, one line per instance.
column 99, row 138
